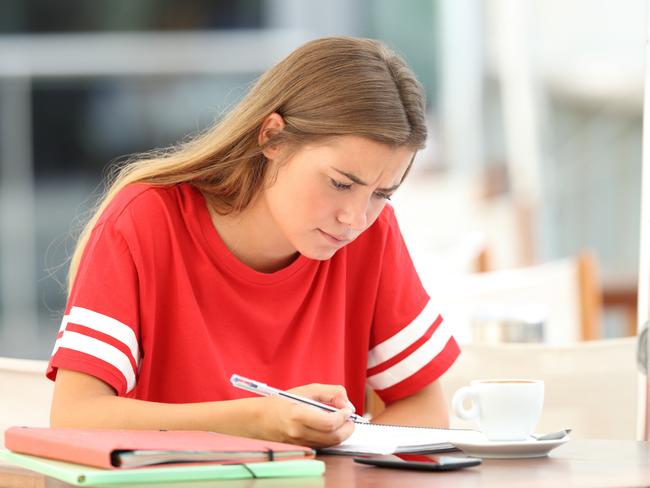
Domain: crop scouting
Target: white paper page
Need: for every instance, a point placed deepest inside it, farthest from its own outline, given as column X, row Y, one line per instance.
column 386, row 439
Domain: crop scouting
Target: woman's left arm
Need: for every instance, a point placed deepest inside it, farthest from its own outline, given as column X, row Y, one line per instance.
column 427, row 408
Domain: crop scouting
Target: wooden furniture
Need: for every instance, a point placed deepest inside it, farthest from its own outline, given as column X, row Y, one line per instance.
column 591, row 296
column 620, row 294
column 568, row 291
column 565, row 293
column 577, row 463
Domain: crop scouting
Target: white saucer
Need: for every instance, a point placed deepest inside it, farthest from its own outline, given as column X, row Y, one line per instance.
column 509, row 449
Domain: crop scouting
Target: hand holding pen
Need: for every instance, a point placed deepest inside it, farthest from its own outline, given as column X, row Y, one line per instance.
column 266, row 390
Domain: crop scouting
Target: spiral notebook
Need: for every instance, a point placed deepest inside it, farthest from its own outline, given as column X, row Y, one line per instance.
column 392, row 439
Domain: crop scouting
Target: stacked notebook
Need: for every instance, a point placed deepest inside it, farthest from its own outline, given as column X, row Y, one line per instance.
column 102, row 456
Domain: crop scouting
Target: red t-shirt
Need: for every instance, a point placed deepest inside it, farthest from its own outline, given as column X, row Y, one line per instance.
column 161, row 310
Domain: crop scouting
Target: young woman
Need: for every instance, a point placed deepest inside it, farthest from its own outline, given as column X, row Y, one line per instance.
column 263, row 247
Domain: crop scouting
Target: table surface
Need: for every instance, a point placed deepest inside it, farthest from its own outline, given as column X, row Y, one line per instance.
column 599, row 463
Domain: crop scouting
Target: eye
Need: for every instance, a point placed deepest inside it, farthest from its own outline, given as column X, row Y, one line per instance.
column 337, row 185
column 382, row 196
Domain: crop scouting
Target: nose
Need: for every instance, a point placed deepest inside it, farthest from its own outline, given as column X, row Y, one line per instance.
column 355, row 214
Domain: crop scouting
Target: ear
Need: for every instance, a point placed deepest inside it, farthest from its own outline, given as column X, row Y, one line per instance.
column 272, row 124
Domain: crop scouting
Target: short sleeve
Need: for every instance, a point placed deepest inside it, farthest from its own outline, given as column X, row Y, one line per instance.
column 99, row 333
column 411, row 344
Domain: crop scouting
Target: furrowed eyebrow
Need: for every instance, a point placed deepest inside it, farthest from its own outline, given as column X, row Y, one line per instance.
column 359, row 181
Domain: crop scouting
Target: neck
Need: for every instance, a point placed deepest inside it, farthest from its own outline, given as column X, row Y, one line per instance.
column 253, row 238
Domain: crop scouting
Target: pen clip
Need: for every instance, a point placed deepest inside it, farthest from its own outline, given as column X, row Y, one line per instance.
column 250, row 385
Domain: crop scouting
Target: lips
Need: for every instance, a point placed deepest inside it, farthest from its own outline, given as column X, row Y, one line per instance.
column 335, row 238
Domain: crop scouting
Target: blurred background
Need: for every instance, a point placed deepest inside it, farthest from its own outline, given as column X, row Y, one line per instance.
column 522, row 214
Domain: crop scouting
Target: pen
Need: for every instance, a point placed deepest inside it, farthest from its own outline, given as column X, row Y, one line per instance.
column 266, row 390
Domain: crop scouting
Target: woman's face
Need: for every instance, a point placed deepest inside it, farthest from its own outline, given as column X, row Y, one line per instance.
column 326, row 195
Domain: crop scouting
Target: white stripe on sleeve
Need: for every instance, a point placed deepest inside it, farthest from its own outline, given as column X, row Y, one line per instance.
column 414, row 362
column 404, row 338
column 64, row 323
column 101, row 350
column 106, row 325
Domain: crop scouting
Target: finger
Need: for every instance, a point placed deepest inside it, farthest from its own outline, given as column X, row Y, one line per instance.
column 318, row 419
column 335, row 395
column 307, row 436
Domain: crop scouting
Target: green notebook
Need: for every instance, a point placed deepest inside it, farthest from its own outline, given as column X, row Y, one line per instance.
column 81, row 475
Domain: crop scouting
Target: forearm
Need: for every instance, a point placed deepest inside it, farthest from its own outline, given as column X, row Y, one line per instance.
column 83, row 401
column 425, row 408
column 111, row 412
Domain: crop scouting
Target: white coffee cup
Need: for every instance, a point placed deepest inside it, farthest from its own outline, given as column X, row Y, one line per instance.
column 506, row 409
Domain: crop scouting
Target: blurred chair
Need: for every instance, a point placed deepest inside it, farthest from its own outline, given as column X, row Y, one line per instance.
column 567, row 291
column 591, row 387
column 25, row 395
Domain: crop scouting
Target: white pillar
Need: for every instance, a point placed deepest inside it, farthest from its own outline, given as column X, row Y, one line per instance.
column 19, row 316
column 643, row 311
column 521, row 119
column 461, row 83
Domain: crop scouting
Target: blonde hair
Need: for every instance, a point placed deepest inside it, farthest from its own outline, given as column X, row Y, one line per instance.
column 327, row 87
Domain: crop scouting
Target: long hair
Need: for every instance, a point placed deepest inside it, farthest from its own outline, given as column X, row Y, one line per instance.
column 327, row 87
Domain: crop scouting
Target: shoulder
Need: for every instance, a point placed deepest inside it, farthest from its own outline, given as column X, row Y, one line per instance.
column 143, row 214
column 142, row 202
column 148, row 220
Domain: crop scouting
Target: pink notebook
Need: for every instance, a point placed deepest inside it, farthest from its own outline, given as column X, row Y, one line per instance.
column 109, row 448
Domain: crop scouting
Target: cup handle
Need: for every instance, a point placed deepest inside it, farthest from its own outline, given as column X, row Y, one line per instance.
column 457, row 403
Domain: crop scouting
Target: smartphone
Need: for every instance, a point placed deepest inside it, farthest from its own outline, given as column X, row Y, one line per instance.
column 424, row 462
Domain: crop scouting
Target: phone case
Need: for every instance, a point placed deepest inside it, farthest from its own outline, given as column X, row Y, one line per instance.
column 418, row 462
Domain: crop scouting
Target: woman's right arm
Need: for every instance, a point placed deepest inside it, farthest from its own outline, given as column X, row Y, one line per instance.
column 83, row 401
